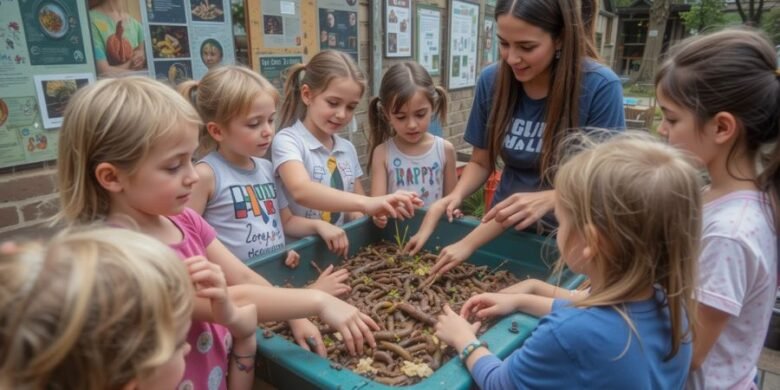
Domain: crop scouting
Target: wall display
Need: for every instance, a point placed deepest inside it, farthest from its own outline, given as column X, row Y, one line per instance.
column 274, row 68
column 39, row 39
column 398, row 28
column 338, row 26
column 490, row 43
column 463, row 54
column 120, row 47
column 281, row 24
column 280, row 28
column 428, row 45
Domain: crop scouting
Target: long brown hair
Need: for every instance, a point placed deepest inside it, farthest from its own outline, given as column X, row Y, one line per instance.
column 317, row 74
column 562, row 19
column 734, row 71
column 399, row 84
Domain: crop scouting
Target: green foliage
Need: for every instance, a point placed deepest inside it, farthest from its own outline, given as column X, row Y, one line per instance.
column 474, row 205
column 704, row 15
column 771, row 24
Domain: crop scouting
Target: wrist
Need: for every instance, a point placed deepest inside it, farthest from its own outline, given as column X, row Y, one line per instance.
column 469, row 348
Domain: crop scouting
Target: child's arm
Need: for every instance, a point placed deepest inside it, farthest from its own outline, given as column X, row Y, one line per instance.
column 241, row 368
column 428, row 225
column 454, row 254
column 203, row 189
column 488, row 305
column 379, row 180
column 474, row 175
column 544, row 289
column 334, row 236
column 708, row 328
column 450, row 174
column 353, row 215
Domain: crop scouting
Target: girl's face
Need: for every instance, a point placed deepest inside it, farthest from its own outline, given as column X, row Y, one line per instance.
column 211, row 56
column 162, row 182
column 168, row 375
column 330, row 110
column 527, row 49
column 571, row 244
column 250, row 134
column 679, row 127
column 411, row 121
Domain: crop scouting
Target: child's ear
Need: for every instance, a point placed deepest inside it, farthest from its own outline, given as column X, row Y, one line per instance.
column 592, row 239
column 215, row 131
column 306, row 95
column 109, row 177
column 724, row 125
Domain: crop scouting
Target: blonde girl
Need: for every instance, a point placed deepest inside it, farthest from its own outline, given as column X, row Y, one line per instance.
column 96, row 309
column 629, row 219
column 320, row 170
column 402, row 154
column 719, row 95
column 237, row 193
column 126, row 158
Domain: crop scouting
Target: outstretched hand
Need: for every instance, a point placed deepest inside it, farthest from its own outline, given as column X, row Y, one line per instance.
column 521, row 210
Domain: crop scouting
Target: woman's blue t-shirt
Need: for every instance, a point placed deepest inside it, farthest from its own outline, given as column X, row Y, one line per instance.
column 601, row 106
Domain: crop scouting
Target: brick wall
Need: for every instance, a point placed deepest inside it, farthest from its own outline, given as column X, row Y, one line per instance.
column 28, row 194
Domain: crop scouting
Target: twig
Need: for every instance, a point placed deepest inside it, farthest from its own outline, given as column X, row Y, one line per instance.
column 313, row 264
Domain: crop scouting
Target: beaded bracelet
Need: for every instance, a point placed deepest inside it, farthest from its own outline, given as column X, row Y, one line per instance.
column 241, row 366
column 471, row 347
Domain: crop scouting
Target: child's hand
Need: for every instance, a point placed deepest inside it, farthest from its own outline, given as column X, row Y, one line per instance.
column 450, row 203
column 416, row 243
column 391, row 203
column 522, row 209
column 454, row 330
column 354, row 326
column 488, row 305
column 293, row 259
column 332, row 282
column 380, row 222
column 451, row 256
column 335, row 237
column 308, row 336
column 354, row 215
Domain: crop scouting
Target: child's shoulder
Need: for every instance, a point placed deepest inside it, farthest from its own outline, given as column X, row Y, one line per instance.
column 738, row 212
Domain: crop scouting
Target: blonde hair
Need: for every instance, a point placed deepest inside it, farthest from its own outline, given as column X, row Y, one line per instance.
column 636, row 202
column 115, row 121
column 317, row 74
column 92, row 309
column 222, row 94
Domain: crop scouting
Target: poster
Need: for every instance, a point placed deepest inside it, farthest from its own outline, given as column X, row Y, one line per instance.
column 428, row 52
column 463, row 54
column 281, row 23
column 38, row 38
column 274, row 68
column 398, row 28
column 338, row 26
column 120, row 48
column 54, row 92
column 490, row 44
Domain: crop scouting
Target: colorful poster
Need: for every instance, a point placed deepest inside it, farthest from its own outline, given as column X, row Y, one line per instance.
column 281, row 24
column 120, row 47
column 490, row 44
column 274, row 68
column 428, row 52
column 166, row 11
column 398, row 28
column 338, row 26
column 54, row 92
column 463, row 54
column 38, row 38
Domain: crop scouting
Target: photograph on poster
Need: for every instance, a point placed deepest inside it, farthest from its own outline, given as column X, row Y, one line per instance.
column 463, row 54
column 54, row 92
column 274, row 68
column 170, row 41
column 338, row 30
column 211, row 53
column 173, row 71
column 272, row 24
column 428, row 52
column 205, row 11
column 398, row 41
column 118, row 45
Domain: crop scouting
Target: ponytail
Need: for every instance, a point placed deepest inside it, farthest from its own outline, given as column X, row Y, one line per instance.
column 440, row 108
column 379, row 127
column 189, row 89
column 769, row 155
column 293, row 108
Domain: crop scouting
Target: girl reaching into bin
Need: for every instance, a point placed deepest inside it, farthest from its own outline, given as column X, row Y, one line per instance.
column 629, row 215
column 719, row 95
column 126, row 159
column 320, row 170
column 402, row 154
column 543, row 87
column 237, row 193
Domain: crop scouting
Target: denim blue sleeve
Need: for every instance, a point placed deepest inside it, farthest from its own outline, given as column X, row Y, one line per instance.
column 542, row 362
column 606, row 111
column 476, row 129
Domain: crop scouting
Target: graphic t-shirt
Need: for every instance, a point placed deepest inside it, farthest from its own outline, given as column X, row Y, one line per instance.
column 245, row 208
column 423, row 174
column 103, row 28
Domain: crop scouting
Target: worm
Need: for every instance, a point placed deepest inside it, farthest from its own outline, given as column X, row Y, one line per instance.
column 394, row 381
column 416, row 314
column 384, row 357
column 392, row 336
column 395, row 348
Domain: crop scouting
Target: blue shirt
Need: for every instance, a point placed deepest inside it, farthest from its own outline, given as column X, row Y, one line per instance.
column 593, row 348
column 601, row 106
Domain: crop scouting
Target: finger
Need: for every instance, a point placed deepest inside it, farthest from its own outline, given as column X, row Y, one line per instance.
column 327, row 270
column 346, row 336
column 212, row 293
column 346, row 246
column 447, row 267
column 389, row 209
column 358, row 336
column 368, row 336
column 302, row 343
column 488, row 312
column 438, row 265
column 450, row 211
column 467, row 308
column 490, row 214
column 320, row 348
column 369, row 321
column 475, row 326
column 448, row 310
column 458, row 213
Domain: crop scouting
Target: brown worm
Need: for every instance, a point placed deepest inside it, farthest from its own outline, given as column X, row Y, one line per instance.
column 396, row 349
column 416, row 314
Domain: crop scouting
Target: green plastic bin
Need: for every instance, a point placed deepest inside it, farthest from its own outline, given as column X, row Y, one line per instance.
column 285, row 365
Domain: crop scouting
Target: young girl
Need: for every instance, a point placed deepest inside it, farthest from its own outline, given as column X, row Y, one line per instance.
column 96, row 309
column 543, row 87
column 720, row 95
column 126, row 153
column 237, row 193
column 320, row 170
column 402, row 154
column 629, row 219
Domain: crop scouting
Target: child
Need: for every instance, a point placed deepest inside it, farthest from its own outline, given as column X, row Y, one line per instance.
column 237, row 193
column 97, row 309
column 319, row 169
column 211, row 53
column 629, row 219
column 126, row 153
column 117, row 37
column 402, row 154
column 720, row 95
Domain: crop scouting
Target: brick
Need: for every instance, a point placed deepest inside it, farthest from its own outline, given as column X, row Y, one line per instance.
column 40, row 209
column 26, row 187
column 8, row 216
